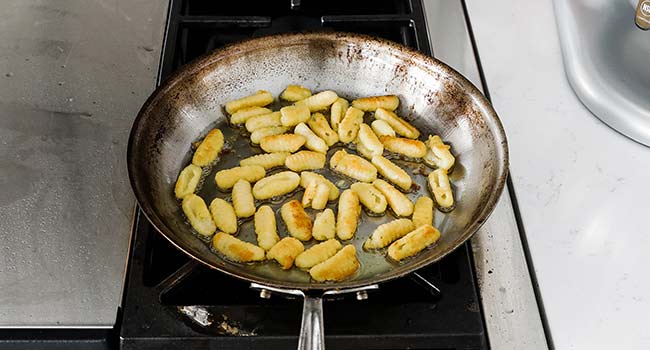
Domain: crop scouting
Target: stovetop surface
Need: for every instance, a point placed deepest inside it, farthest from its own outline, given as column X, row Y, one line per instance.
column 171, row 301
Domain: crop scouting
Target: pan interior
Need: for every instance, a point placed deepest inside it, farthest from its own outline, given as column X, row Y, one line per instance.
column 433, row 97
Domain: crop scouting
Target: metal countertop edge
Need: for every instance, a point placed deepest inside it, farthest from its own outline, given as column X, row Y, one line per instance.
column 513, row 318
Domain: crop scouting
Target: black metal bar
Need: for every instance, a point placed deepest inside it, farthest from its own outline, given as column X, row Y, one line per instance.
column 370, row 19
column 226, row 21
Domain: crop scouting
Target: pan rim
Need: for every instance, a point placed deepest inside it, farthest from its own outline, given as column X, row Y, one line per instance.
column 232, row 50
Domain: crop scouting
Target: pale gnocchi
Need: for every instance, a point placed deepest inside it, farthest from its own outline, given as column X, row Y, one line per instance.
column 294, row 115
column 187, row 181
column 223, row 215
column 226, row 179
column 392, row 172
column 317, row 254
column 318, row 102
column 337, row 111
column 263, row 121
column 368, row 143
column 242, row 199
column 244, row 114
column 382, row 128
column 423, row 212
column 441, row 189
column 305, row 160
column 349, row 126
column 353, row 166
column 387, row 233
column 306, row 177
column 198, row 215
column 316, row 195
column 399, row 125
column 340, row 266
column 312, row 141
column 266, row 160
column 319, row 125
column 348, row 215
column 324, row 225
column 370, row 197
column 276, row 185
column 266, row 228
column 258, row 134
column 438, row 154
column 398, row 201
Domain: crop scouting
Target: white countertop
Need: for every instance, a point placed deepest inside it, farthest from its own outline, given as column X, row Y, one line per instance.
column 581, row 187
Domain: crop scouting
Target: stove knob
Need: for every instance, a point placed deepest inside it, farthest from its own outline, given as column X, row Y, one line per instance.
column 265, row 294
column 362, row 295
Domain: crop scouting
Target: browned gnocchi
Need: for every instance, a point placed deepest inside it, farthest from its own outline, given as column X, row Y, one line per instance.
column 281, row 133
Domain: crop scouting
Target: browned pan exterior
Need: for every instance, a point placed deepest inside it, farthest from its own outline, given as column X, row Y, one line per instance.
column 434, row 97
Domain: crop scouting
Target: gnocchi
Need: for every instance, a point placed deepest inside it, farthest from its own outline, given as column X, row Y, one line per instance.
column 367, row 142
column 298, row 223
column 382, row 128
column 282, row 143
column 312, row 141
column 353, row 166
column 387, row 233
column 438, row 154
column 317, row 254
column 370, row 104
column 305, row 160
column 295, row 93
column 263, row 121
column 260, row 98
column 227, row 178
column 441, row 188
column 399, row 125
column 306, row 177
column 266, row 160
column 348, row 215
column 318, row 102
column 285, row 252
column 398, row 201
column 392, row 172
column 370, row 197
column 294, row 115
column 349, row 126
column 244, row 114
column 209, row 148
column 235, row 249
column 319, row 125
column 337, row 111
column 413, row 243
column 223, row 215
column 242, row 199
column 266, row 228
column 187, row 181
column 324, row 225
column 198, row 215
column 258, row 134
column 316, row 195
column 423, row 212
column 404, row 146
column 276, row 185
column 341, row 265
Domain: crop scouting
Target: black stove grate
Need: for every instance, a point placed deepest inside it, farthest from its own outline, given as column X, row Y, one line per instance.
column 172, row 302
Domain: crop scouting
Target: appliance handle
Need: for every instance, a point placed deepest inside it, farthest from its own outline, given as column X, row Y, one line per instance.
column 312, row 330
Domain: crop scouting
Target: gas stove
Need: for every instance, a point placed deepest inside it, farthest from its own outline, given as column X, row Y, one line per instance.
column 173, row 302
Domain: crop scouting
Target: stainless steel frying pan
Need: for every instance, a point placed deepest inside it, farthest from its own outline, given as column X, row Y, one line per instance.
column 434, row 97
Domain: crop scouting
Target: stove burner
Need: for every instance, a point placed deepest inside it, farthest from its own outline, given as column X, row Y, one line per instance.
column 173, row 302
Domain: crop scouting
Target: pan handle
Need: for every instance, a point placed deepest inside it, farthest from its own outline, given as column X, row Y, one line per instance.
column 312, row 330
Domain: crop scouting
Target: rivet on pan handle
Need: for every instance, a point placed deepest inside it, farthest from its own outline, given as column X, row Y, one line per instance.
column 312, row 330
